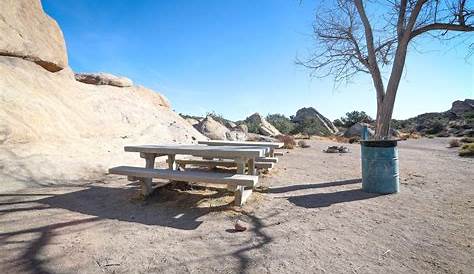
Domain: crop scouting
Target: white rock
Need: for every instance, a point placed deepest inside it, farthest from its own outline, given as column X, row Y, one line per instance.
column 29, row 33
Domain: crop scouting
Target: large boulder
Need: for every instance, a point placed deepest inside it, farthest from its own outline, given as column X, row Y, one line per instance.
column 212, row 129
column 356, row 130
column 103, row 79
column 311, row 114
column 263, row 126
column 27, row 32
column 459, row 108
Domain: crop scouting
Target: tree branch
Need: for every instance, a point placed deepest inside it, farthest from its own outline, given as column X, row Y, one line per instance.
column 441, row 26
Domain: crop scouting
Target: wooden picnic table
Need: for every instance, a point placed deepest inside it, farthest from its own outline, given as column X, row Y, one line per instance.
column 271, row 145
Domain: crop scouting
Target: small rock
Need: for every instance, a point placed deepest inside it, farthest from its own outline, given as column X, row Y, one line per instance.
column 240, row 226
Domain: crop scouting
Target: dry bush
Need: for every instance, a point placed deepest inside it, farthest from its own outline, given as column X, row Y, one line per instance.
column 287, row 140
column 467, row 150
column 303, row 144
column 353, row 140
column 454, row 143
column 467, row 140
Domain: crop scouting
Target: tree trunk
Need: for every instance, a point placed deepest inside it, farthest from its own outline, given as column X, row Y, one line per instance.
column 385, row 109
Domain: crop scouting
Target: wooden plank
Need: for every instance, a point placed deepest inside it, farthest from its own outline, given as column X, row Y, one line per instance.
column 278, row 153
column 188, row 176
column 241, row 143
column 229, row 152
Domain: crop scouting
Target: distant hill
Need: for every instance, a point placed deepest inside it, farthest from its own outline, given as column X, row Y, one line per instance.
column 457, row 121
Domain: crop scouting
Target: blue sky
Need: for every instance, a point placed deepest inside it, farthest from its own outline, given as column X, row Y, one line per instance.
column 237, row 57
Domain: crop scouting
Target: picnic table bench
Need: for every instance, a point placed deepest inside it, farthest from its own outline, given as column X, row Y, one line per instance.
column 241, row 155
column 271, row 145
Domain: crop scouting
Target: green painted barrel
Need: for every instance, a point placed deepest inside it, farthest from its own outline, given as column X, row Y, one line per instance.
column 380, row 171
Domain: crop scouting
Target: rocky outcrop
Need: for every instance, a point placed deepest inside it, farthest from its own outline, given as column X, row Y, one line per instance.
column 54, row 129
column 217, row 131
column 103, row 79
column 27, row 32
column 212, row 129
column 459, row 108
column 263, row 126
column 356, row 130
column 309, row 113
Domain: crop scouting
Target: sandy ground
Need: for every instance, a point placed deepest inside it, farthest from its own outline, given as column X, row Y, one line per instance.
column 309, row 217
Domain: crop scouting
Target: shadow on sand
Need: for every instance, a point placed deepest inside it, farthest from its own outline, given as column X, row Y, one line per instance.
column 324, row 199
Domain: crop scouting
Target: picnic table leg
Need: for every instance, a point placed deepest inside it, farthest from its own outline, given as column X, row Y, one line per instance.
column 147, row 182
column 241, row 194
column 251, row 164
column 272, row 152
column 172, row 162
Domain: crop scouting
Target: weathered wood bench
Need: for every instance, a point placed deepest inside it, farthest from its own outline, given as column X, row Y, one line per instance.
column 143, row 175
column 221, row 163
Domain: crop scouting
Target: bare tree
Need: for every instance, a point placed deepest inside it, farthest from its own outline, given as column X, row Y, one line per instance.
column 349, row 43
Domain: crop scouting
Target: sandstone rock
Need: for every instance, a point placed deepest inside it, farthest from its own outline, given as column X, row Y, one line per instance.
column 66, row 131
column 242, row 127
column 260, row 138
column 103, row 79
column 461, row 107
column 311, row 113
column 27, row 32
column 230, row 124
column 356, row 130
column 212, row 129
column 192, row 121
column 264, row 127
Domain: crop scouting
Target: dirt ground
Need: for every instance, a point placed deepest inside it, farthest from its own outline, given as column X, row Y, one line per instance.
column 309, row 217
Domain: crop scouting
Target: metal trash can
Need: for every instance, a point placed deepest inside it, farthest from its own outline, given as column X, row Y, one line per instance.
column 380, row 170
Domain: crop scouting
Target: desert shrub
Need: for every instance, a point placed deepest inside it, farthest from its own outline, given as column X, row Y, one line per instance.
column 338, row 123
column 303, row 144
column 435, row 127
column 430, row 136
column 287, row 140
column 281, row 122
column 253, row 127
column 467, row 150
column 353, row 140
column 469, row 117
column 454, row 143
column 355, row 117
column 467, row 140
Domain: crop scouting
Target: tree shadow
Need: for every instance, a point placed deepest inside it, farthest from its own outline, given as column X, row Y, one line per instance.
column 165, row 207
column 310, row 186
column 327, row 199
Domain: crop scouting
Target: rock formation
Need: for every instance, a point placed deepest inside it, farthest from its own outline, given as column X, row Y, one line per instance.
column 262, row 125
column 310, row 113
column 459, row 108
column 217, row 131
column 27, row 32
column 103, row 79
column 54, row 129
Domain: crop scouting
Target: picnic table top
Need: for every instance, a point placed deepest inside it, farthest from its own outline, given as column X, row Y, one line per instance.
column 241, row 143
column 202, row 150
